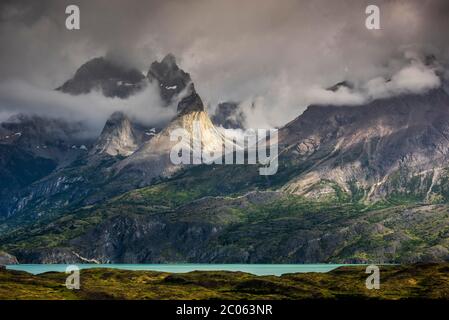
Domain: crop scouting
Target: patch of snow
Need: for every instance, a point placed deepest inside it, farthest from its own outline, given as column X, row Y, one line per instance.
column 151, row 132
column 123, row 83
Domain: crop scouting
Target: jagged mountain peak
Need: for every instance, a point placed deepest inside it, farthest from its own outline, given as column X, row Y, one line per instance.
column 164, row 67
column 113, row 79
column 102, row 68
column 170, row 60
column 116, row 80
column 152, row 160
column 190, row 103
column 116, row 118
column 171, row 79
column 117, row 137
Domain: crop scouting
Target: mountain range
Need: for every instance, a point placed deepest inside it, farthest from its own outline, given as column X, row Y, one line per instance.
column 366, row 183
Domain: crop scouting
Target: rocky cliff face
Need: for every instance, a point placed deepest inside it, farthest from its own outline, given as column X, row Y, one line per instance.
column 260, row 227
column 6, row 259
column 393, row 145
column 117, row 138
column 170, row 78
column 229, row 116
column 152, row 160
column 45, row 137
column 32, row 148
column 78, row 181
column 342, row 158
column 112, row 79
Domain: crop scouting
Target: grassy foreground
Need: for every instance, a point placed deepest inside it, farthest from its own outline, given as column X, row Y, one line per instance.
column 429, row 281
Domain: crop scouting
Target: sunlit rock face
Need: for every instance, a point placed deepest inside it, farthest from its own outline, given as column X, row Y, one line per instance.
column 397, row 144
column 152, row 159
column 124, row 147
column 117, row 137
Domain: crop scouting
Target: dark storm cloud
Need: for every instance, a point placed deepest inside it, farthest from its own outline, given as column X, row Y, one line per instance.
column 275, row 54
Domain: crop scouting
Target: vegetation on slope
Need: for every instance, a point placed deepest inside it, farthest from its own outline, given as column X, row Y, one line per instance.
column 396, row 282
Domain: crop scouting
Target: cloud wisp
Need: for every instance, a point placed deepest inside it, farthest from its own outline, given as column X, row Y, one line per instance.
column 93, row 108
column 275, row 57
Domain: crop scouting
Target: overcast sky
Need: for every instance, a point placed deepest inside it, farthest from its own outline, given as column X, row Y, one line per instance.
column 277, row 54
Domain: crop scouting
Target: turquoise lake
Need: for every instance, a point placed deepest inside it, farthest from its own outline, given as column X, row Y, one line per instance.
column 257, row 269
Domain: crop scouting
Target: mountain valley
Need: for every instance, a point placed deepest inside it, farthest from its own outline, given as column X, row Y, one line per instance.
column 355, row 184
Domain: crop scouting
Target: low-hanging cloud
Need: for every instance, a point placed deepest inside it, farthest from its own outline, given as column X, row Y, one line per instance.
column 274, row 57
column 92, row 109
column 341, row 96
column 414, row 78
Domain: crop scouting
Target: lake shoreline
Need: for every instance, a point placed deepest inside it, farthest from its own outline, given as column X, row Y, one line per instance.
column 421, row 281
column 256, row 269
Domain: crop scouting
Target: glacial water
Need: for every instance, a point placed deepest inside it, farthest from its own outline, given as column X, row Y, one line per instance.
column 257, row 269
